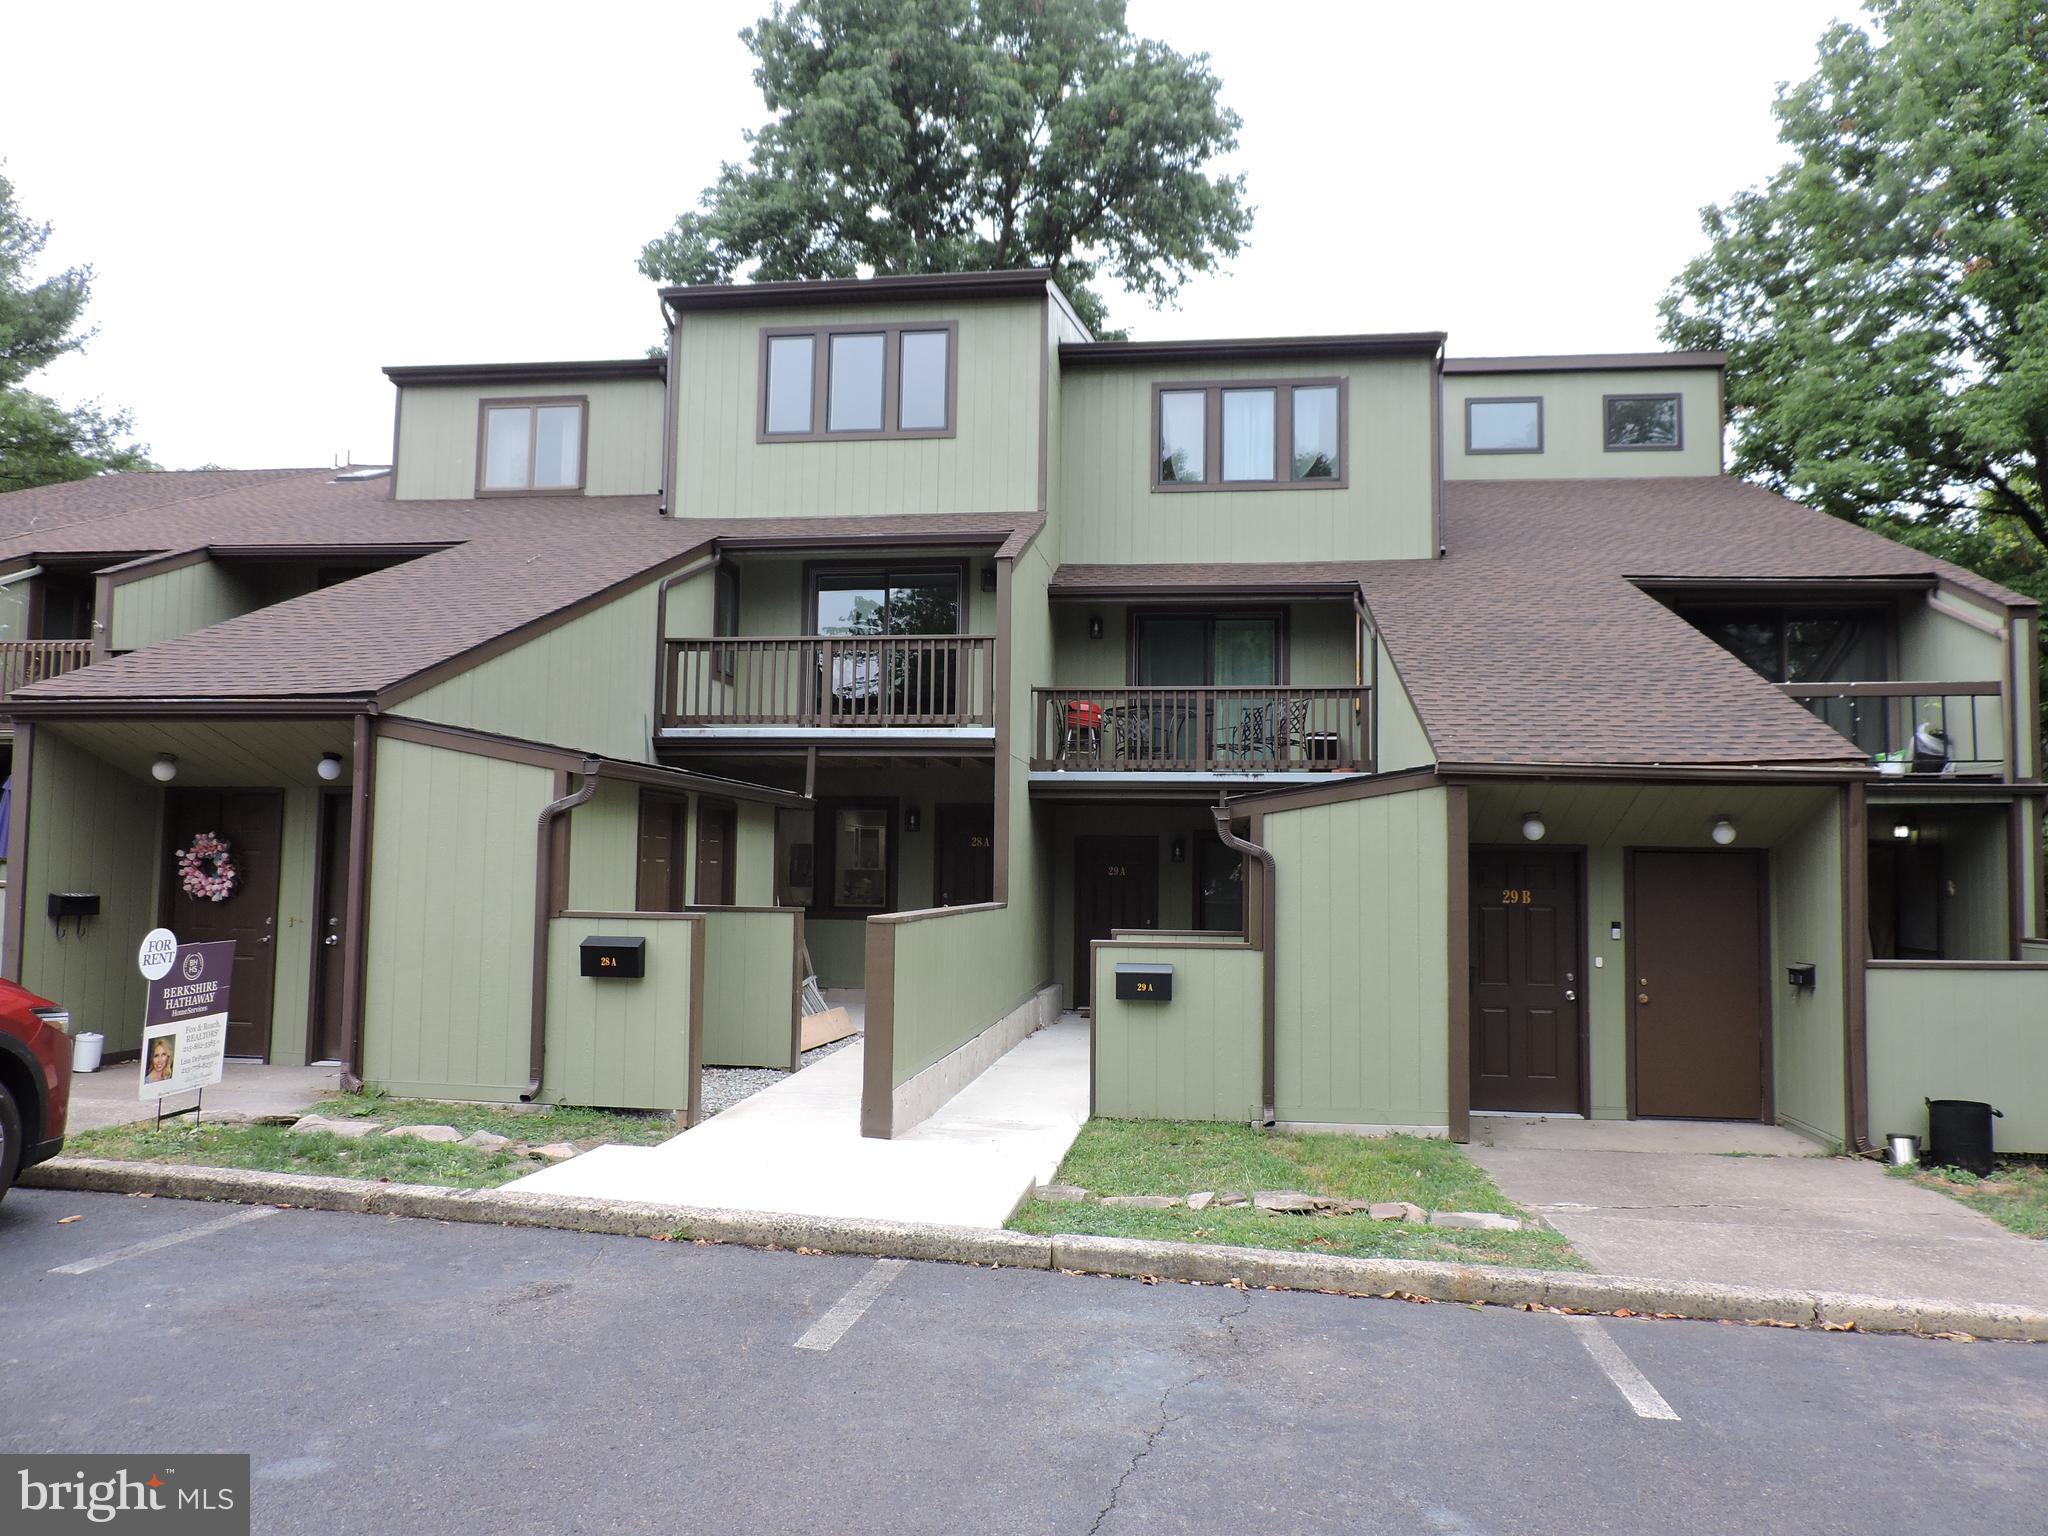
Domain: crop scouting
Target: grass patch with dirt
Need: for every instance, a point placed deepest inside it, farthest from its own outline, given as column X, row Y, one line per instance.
column 1168, row 1157
column 2015, row 1195
column 399, row 1159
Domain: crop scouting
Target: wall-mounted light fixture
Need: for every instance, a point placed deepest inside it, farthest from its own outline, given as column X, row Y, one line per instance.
column 988, row 578
column 1177, row 851
column 329, row 766
column 164, row 769
column 1722, row 831
column 913, row 818
column 1094, row 626
column 1902, row 829
column 1532, row 826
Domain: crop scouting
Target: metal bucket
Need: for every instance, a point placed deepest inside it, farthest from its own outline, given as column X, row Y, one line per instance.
column 85, row 1051
column 1902, row 1151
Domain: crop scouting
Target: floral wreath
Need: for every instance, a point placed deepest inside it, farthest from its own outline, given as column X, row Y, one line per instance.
column 207, row 868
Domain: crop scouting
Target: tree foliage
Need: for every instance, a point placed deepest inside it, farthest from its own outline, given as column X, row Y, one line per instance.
column 42, row 442
column 969, row 135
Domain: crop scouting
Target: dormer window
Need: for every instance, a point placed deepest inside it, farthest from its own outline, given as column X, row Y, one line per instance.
column 1505, row 425
column 858, row 381
column 531, row 447
column 1249, row 435
column 1633, row 423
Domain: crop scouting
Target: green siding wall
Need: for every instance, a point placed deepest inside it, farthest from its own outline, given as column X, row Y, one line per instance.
column 1933, row 645
column 297, row 933
column 750, row 998
column 90, row 828
column 437, row 435
column 1936, row 1033
column 448, row 982
column 1193, row 1058
column 1572, row 425
column 1807, row 1027
column 621, row 1044
column 1399, row 737
column 1362, row 960
column 989, row 465
column 587, row 684
column 158, row 608
column 1111, row 514
column 604, row 849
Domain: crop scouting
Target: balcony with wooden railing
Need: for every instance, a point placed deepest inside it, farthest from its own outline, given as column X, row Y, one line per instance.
column 1272, row 728
column 1916, row 729
column 818, row 682
column 23, row 662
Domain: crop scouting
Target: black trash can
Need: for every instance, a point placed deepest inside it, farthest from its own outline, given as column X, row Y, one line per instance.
column 1959, row 1134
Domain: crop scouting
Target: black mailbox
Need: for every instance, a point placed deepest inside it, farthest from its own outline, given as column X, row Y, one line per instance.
column 65, row 904
column 614, row 958
column 1144, row 983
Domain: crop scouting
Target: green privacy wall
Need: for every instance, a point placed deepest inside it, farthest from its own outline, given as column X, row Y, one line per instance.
column 587, row 684
column 750, row 987
column 754, row 878
column 450, row 947
column 1572, row 424
column 1938, row 1032
column 1362, row 964
column 1193, row 1058
column 1400, row 740
column 1112, row 515
column 90, row 828
column 1807, row 1026
column 990, row 464
column 623, row 1044
column 437, row 435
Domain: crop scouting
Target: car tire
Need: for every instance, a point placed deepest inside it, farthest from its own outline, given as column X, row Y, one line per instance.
column 11, row 1145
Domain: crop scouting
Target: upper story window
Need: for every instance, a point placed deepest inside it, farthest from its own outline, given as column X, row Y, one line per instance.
column 895, row 380
column 1252, row 435
column 1633, row 422
column 531, row 446
column 1505, row 425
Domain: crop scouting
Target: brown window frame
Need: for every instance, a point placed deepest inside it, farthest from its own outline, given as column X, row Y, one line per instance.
column 1677, row 445
column 1541, row 425
column 1283, row 434
column 1139, row 612
column 825, row 855
column 891, row 332
column 815, row 573
column 532, row 403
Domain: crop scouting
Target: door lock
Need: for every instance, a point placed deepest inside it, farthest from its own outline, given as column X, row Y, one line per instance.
column 1642, row 997
column 332, row 938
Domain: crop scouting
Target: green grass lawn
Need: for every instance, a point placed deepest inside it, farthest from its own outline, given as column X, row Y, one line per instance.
column 402, row 1160
column 1163, row 1157
column 2015, row 1196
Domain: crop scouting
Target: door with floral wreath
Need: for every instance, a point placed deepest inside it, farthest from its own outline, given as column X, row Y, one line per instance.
column 220, row 875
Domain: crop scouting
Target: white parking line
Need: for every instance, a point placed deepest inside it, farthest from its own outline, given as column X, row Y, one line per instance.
column 829, row 1329
column 151, row 1245
column 1632, row 1383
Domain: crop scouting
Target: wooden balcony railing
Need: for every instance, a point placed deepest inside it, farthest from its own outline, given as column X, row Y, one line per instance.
column 809, row 681
column 30, row 661
column 1948, row 729
column 1275, row 728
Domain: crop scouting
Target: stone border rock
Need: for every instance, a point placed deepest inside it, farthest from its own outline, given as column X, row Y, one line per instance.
column 1205, row 1263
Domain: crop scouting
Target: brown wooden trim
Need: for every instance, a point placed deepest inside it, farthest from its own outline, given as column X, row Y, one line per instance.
column 821, row 338
column 519, row 373
column 1673, row 396
column 921, row 287
column 1047, row 331
column 1436, row 456
column 811, row 571
column 2015, row 879
column 1748, row 589
column 1363, row 787
column 1888, row 690
column 1266, row 593
column 18, row 877
column 796, row 995
column 1855, row 957
column 1957, row 965
column 1212, row 392
column 694, row 1112
column 695, row 913
column 1587, row 362
column 1283, row 659
column 1472, row 400
column 1005, row 767
column 533, row 405
column 543, row 912
column 671, row 419
column 397, row 432
column 925, row 914
column 355, row 939
column 878, row 1034
column 1458, row 947
column 1658, row 773
column 325, row 802
column 1104, row 354
column 286, row 554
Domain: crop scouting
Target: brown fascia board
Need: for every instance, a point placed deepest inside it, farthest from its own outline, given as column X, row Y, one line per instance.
column 514, row 373
column 1586, row 362
column 1816, row 772
column 1138, row 592
column 81, row 707
column 1087, row 354
column 1022, row 283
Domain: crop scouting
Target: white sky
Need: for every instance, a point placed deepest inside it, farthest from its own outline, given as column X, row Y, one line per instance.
column 281, row 199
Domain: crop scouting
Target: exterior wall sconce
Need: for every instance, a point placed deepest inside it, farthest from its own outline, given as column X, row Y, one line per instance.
column 1094, row 626
column 1177, row 851
column 329, row 767
column 1723, row 831
column 1532, row 827
column 1902, row 829
column 164, row 769
column 988, row 578
column 912, row 818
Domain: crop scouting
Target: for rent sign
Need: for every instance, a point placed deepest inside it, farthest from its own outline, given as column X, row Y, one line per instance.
column 185, row 1031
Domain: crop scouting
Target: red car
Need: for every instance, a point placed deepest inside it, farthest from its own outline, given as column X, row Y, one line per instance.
column 35, row 1080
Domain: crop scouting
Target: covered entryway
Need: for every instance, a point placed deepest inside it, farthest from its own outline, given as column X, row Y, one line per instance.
column 1526, row 1016
column 1696, row 973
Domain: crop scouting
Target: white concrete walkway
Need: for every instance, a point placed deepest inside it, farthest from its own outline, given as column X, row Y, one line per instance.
column 797, row 1148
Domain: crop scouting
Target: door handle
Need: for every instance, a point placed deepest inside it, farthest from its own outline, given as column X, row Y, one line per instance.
column 1570, row 996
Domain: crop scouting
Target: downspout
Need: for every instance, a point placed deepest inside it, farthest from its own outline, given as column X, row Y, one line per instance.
column 1270, row 944
column 543, row 882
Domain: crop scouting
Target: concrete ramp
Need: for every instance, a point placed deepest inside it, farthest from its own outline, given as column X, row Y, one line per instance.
column 796, row 1148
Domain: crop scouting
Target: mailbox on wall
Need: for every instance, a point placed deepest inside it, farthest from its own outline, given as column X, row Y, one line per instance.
column 614, row 959
column 1144, row 983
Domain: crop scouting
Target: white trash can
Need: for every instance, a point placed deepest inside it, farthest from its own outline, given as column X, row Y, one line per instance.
column 85, row 1052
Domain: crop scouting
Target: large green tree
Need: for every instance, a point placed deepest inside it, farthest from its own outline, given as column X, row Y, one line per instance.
column 969, row 135
column 42, row 442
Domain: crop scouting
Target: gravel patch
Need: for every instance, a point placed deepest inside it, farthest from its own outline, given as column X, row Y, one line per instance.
column 727, row 1086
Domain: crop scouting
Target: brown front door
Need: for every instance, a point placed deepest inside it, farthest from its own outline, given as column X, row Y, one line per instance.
column 1116, row 885
column 252, row 822
column 1526, row 986
column 966, row 874
column 717, row 831
column 1696, row 984
column 663, row 830
column 329, row 1040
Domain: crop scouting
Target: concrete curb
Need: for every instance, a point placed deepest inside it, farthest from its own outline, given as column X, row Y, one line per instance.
column 1205, row 1263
